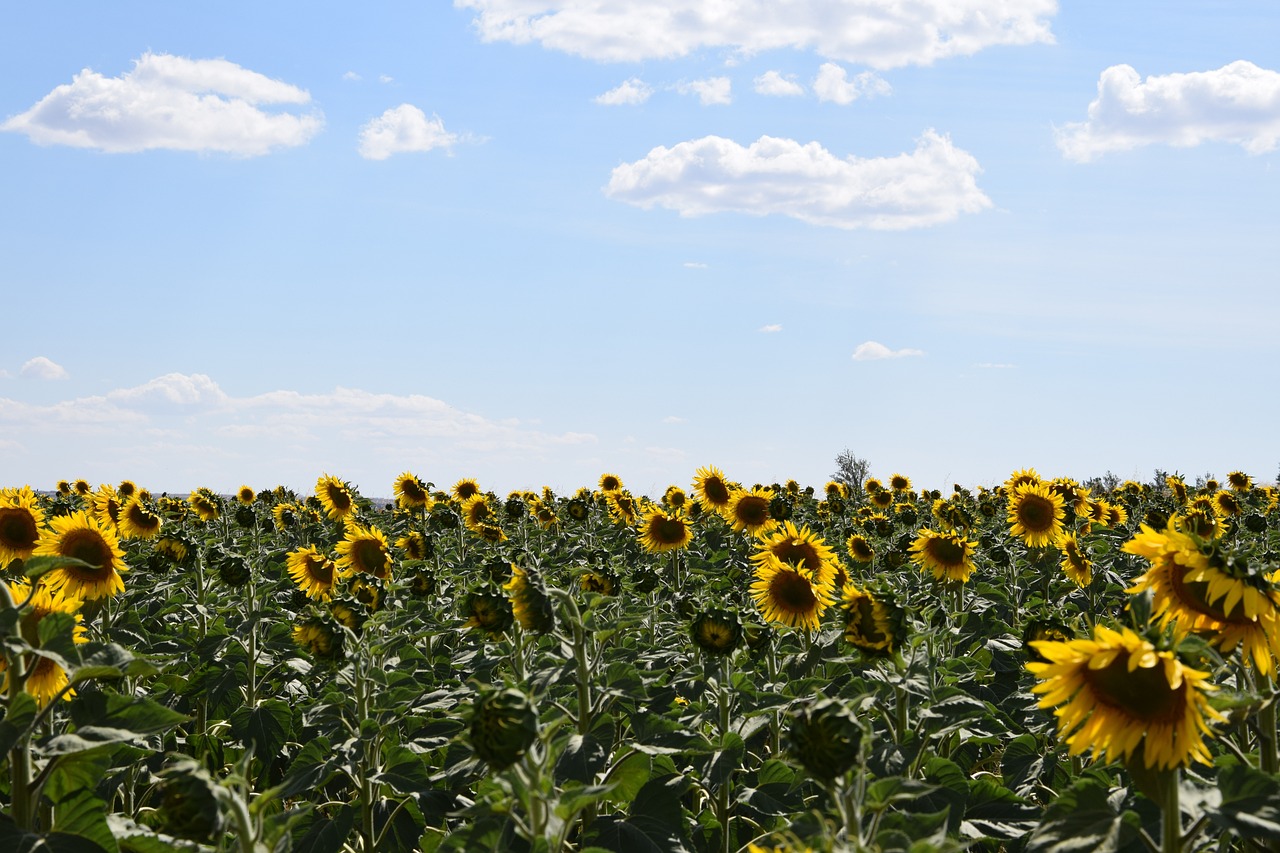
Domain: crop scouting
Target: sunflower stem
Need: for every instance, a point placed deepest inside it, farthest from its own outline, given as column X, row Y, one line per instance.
column 1267, row 755
column 1171, row 815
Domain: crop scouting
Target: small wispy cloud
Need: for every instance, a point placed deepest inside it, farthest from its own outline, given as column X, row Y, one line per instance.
column 385, row 78
column 352, row 76
column 710, row 91
column 994, row 365
column 673, row 419
column 42, row 368
column 772, row 327
column 694, row 265
column 773, row 84
column 876, row 351
column 627, row 93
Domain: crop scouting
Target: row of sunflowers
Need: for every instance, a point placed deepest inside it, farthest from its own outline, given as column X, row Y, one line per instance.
column 1042, row 665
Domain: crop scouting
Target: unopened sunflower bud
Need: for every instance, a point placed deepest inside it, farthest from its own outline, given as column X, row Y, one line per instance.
column 189, row 806
column 824, row 738
column 716, row 631
column 503, row 725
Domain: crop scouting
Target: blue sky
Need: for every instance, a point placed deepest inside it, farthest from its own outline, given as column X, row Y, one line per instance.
column 530, row 241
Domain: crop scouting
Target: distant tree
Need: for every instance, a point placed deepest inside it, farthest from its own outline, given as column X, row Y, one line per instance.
column 851, row 470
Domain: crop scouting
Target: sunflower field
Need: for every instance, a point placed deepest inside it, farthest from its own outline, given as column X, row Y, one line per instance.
column 1044, row 665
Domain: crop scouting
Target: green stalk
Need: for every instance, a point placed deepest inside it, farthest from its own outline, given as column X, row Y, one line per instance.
column 1267, row 731
column 1171, row 815
column 723, row 801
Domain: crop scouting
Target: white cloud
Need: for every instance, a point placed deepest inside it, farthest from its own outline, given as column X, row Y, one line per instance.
column 772, row 327
column 868, row 32
column 874, row 351
column 42, row 368
column 402, row 129
column 385, row 78
column 774, row 84
column 628, row 92
column 993, row 365
column 710, row 91
column 186, row 428
column 673, row 419
column 1238, row 103
column 170, row 102
column 833, row 84
column 352, row 76
column 695, row 265
column 935, row 183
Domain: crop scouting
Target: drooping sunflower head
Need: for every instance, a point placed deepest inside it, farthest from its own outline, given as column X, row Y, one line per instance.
column 83, row 537
column 1036, row 514
column 139, row 520
column 825, row 737
column 749, row 511
column 410, row 491
column 1117, row 693
column 504, row 724
column 948, row 555
column 489, row 611
column 21, row 520
column 716, row 631
column 336, row 497
column 365, row 550
column 662, row 530
column 710, row 487
column 873, row 622
column 206, row 505
column 313, row 572
column 530, row 604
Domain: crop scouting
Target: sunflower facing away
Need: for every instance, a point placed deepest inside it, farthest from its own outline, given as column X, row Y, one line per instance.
column 1195, row 596
column 1116, row 694
column 313, row 572
column 662, row 530
column 20, row 522
column 948, row 555
column 84, row 537
column 1035, row 514
column 45, row 677
column 365, row 550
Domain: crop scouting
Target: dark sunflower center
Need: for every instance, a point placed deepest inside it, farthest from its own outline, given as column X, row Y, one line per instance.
column 792, row 592
column 88, row 546
column 668, row 531
column 716, row 491
column 864, row 619
column 18, row 529
column 1194, row 595
column 1143, row 694
column 368, row 557
column 798, row 553
column 945, row 551
column 340, row 499
column 1036, row 513
column 320, row 570
column 861, row 550
column 752, row 511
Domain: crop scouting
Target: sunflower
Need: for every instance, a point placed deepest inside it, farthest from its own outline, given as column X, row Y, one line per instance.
column 1075, row 562
column 1035, row 514
column 799, row 547
column 710, row 487
column 64, row 487
column 1021, row 477
column 545, row 515
column 245, row 496
column 749, row 511
column 1239, row 481
column 465, row 488
column 1177, row 487
column 206, row 504
column 1191, row 593
column 900, row 483
column 173, row 549
column 873, row 623
column 411, row 492
column 716, row 631
column 365, row 550
column 139, row 521
column 599, row 581
column 839, row 491
column 488, row 611
column 789, row 594
column 45, row 678
column 1227, row 504
column 610, row 483
column 623, row 508
column 675, row 497
column 1118, row 692
column 107, row 505
column 1075, row 497
column 1117, row 515
column 335, row 496
column 321, row 637
column 82, row 488
column 662, row 530
column 477, row 513
column 20, row 522
column 577, row 509
column 285, row 515
column 84, row 537
column 415, row 546
column 948, row 555
column 530, row 604
column 313, row 572
column 860, row 549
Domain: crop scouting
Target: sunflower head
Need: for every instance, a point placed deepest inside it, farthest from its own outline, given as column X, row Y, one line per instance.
column 1239, row 481
column 416, row 546
column 948, row 555
column 411, row 492
column 488, row 611
column 859, row 548
column 337, row 498
column 423, row 583
column 873, row 622
column 83, row 537
column 245, row 496
column 319, row 636
column 601, row 581
column 900, row 483
column 716, row 631
column 1036, row 514
column 789, row 594
column 190, row 807
column 312, row 571
column 503, row 725
column 825, row 737
column 233, row 569
column 365, row 550
column 465, row 488
column 1044, row 628
column 610, row 483
column 577, row 509
column 530, row 604
column 710, row 487
column 21, row 520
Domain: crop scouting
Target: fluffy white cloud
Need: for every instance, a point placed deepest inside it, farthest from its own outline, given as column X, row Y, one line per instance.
column 178, row 431
column 1239, row 103
column 874, row 351
column 633, row 91
column 774, row 84
column 935, row 183
column 712, row 90
column 171, row 102
column 868, row 32
column 42, row 368
column 403, row 129
column 772, row 327
column 833, row 84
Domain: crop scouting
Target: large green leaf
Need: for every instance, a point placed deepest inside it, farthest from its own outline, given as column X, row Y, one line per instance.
column 1250, row 804
column 1084, row 819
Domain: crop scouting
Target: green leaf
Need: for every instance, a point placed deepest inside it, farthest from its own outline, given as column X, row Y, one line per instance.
column 134, row 838
column 34, row 567
column 725, row 760
column 583, row 757
column 266, row 728
column 15, row 840
column 1083, row 819
column 22, row 713
column 110, row 661
column 57, row 638
column 1250, row 804
column 404, row 770
column 82, row 813
column 328, row 835
column 628, row 776
column 136, row 714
